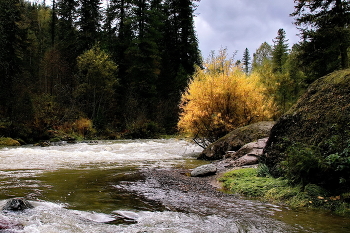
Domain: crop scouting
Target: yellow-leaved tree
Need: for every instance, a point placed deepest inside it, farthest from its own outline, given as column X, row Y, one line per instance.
column 220, row 98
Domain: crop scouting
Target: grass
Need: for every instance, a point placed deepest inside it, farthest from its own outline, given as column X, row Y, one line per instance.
column 246, row 182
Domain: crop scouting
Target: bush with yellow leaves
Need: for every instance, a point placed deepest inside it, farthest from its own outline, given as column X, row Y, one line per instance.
column 220, row 98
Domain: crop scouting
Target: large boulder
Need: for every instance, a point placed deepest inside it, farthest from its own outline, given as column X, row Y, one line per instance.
column 317, row 125
column 236, row 139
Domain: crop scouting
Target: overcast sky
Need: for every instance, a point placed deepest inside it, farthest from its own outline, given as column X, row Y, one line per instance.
column 240, row 24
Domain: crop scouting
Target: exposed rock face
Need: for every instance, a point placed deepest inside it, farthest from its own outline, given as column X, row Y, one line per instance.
column 236, row 139
column 205, row 170
column 252, row 149
column 319, row 119
column 249, row 154
column 17, row 204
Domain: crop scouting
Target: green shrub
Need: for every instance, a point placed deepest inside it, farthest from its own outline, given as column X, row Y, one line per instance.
column 8, row 142
column 339, row 163
column 314, row 190
column 311, row 164
column 303, row 164
column 263, row 170
column 146, row 129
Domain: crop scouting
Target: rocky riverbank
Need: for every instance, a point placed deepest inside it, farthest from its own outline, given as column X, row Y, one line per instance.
column 176, row 190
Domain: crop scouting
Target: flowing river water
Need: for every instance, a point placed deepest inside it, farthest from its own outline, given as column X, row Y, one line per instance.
column 102, row 187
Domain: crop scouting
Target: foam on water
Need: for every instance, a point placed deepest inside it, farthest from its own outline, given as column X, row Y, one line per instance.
column 87, row 174
column 47, row 217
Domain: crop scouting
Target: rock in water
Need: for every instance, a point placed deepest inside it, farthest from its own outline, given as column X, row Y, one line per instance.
column 205, row 170
column 17, row 204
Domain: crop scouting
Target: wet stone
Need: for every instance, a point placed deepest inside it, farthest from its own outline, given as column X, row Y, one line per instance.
column 17, row 204
column 205, row 170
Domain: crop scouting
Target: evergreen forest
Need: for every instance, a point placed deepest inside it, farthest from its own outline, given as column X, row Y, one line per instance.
column 97, row 70
column 133, row 69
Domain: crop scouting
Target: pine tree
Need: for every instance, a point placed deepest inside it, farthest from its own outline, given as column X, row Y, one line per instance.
column 280, row 51
column 89, row 23
column 13, row 44
column 325, row 34
column 180, row 54
column 67, row 15
column 246, row 61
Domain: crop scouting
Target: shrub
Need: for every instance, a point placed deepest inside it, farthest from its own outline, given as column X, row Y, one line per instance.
column 310, row 164
column 263, row 170
column 221, row 98
column 8, row 142
column 82, row 128
column 302, row 164
column 143, row 129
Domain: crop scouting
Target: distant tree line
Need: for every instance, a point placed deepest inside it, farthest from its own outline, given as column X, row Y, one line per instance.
column 124, row 68
column 123, row 65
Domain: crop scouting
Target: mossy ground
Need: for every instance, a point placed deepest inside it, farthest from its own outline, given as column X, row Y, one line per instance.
column 279, row 191
column 8, row 142
column 311, row 142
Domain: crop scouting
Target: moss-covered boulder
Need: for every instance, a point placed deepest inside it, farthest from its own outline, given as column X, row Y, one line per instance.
column 8, row 142
column 311, row 142
column 236, row 139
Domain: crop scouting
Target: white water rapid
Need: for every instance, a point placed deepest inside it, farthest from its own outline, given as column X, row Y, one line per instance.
column 98, row 187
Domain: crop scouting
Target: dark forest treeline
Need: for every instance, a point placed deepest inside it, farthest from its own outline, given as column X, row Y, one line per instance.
column 97, row 70
column 121, row 67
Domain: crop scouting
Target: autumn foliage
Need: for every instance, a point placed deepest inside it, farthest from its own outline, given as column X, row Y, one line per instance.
column 220, row 98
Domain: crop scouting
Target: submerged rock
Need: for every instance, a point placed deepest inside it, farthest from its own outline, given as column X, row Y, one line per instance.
column 127, row 216
column 236, row 139
column 204, row 170
column 17, row 204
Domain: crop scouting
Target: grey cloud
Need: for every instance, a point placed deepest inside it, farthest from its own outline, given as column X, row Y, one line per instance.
column 240, row 24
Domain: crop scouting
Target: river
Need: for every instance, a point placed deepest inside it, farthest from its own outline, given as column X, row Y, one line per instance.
column 102, row 187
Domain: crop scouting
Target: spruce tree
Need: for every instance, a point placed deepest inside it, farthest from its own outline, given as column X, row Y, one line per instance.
column 246, row 61
column 325, row 34
column 89, row 23
column 280, row 51
column 13, row 44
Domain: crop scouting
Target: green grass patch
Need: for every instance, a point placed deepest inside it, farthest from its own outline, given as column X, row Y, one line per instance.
column 279, row 191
